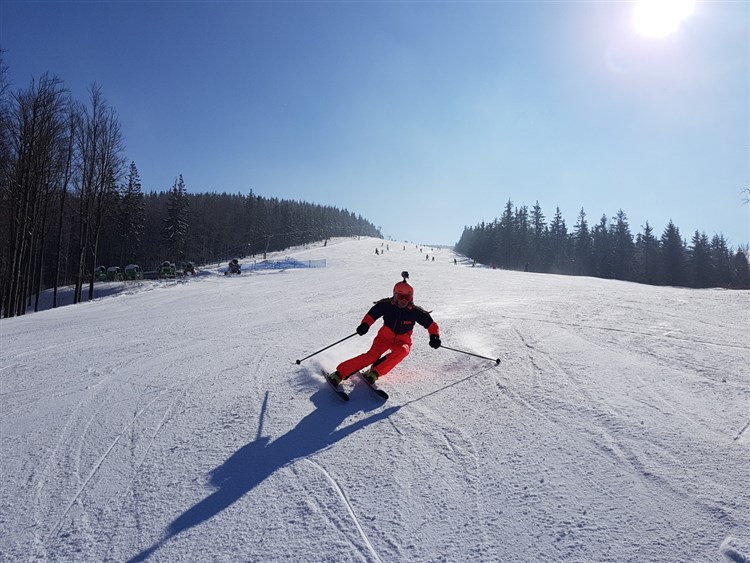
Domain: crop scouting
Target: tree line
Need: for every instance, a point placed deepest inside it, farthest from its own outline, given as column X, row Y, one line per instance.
column 69, row 202
column 213, row 227
column 522, row 238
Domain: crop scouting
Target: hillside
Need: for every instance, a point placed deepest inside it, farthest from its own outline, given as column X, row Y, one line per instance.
column 170, row 422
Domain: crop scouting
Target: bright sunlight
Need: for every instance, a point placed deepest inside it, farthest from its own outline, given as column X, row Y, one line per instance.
column 659, row 18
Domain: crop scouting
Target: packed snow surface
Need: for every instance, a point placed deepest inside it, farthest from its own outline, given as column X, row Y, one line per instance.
column 170, row 422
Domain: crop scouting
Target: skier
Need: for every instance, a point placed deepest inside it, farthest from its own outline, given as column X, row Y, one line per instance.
column 399, row 315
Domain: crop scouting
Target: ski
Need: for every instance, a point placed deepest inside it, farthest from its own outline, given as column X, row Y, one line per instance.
column 379, row 392
column 341, row 394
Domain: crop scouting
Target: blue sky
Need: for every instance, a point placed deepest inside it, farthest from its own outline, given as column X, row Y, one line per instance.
column 424, row 117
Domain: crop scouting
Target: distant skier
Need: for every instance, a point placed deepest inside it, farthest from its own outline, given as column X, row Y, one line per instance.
column 399, row 315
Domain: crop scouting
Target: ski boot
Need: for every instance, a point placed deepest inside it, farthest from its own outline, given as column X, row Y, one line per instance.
column 334, row 378
column 371, row 376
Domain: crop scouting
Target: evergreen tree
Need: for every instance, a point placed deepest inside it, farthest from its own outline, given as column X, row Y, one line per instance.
column 504, row 236
column 722, row 261
column 522, row 237
column 741, row 271
column 174, row 233
column 558, row 243
column 481, row 247
column 673, row 256
column 646, row 267
column 466, row 242
column 538, row 240
column 131, row 217
column 582, row 247
column 622, row 247
column 493, row 242
column 701, row 266
column 602, row 248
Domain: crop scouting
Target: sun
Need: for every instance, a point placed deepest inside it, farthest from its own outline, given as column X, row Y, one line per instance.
column 659, row 18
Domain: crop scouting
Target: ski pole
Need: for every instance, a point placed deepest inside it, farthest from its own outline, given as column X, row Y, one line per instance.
column 326, row 348
column 496, row 360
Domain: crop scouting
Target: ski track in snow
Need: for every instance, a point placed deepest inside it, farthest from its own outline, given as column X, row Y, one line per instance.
column 604, row 434
column 742, row 431
column 170, row 423
column 95, row 418
column 349, row 508
column 95, row 468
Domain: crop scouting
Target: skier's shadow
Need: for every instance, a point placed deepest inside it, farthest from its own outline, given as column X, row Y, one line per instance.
column 253, row 463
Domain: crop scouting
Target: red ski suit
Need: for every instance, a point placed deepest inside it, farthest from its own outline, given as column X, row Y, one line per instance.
column 394, row 335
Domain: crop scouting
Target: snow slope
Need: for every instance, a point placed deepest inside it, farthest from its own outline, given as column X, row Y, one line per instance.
column 174, row 425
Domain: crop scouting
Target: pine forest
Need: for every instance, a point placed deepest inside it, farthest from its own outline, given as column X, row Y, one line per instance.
column 521, row 238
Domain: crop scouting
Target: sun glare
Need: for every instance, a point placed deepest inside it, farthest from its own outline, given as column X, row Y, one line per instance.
column 658, row 18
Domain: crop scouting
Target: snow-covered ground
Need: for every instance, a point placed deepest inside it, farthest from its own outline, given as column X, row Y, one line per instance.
column 174, row 424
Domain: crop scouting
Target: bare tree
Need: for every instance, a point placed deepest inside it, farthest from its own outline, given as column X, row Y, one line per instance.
column 67, row 160
column 5, row 192
column 100, row 146
column 35, row 132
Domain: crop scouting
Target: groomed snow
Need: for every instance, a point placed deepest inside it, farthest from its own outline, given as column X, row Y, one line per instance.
column 170, row 422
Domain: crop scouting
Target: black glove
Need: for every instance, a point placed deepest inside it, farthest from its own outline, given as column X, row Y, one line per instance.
column 362, row 329
column 435, row 341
